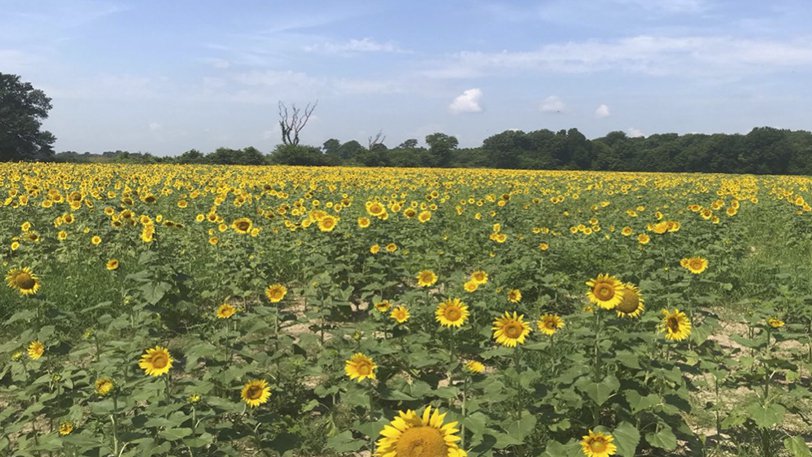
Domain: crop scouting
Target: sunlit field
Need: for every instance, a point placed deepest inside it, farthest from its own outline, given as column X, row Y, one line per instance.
column 215, row 310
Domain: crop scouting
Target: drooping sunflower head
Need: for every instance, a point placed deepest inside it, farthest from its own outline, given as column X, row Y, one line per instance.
column 383, row 306
column 775, row 322
column 451, row 313
column 632, row 303
column 675, row 325
column 474, row 366
column 514, row 295
column 65, row 428
column 225, row 311
column 23, row 280
column 112, row 264
column 410, row 435
column 400, row 314
column 598, row 444
column 104, row 386
column 276, row 292
column 360, row 367
column 510, row 329
column 426, row 278
column 255, row 392
column 156, row 361
column 695, row 265
column 550, row 323
column 605, row 291
column 36, row 349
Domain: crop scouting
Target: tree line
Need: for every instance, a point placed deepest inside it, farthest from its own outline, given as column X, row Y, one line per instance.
column 764, row 150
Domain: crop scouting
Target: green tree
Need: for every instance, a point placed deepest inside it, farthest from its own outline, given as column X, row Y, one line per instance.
column 22, row 109
column 441, row 148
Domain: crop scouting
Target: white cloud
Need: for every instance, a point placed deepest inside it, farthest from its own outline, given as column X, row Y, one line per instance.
column 552, row 104
column 467, row 102
column 602, row 111
column 154, row 126
column 632, row 132
column 653, row 55
column 353, row 46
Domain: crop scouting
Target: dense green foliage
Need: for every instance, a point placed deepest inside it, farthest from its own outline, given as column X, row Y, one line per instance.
column 22, row 109
column 764, row 150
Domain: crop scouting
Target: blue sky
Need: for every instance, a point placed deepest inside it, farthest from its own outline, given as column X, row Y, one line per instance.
column 164, row 77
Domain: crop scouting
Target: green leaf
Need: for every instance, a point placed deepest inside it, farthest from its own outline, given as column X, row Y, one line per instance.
column 599, row 392
column 766, row 416
column 664, row 439
column 556, row 449
column 174, row 434
column 627, row 438
column 476, row 423
column 344, row 442
column 522, row 427
column 797, row 447
column 638, row 402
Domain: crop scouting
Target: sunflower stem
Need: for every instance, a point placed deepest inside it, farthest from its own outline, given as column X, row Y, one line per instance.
column 462, row 420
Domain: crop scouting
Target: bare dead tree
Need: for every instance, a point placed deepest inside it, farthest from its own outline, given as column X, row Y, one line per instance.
column 373, row 141
column 293, row 120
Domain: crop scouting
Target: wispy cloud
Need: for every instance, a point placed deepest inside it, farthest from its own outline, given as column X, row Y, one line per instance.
column 553, row 104
column 353, row 46
column 653, row 55
column 467, row 102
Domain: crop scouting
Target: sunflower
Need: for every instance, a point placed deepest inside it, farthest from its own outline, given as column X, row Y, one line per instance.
column 544, row 246
column 156, row 361
column 36, row 349
column 479, row 277
column 659, row 228
column 605, row 291
column 360, row 367
column 112, row 264
column 383, row 306
column 96, row 240
column 475, row 367
column 276, row 292
column 632, row 303
column 363, row 222
column 598, row 444
column 627, row 231
column 470, row 286
column 514, row 295
column 426, row 278
column 23, row 280
column 410, row 435
column 328, row 223
column 774, row 322
column 104, row 386
column 375, row 248
column 65, row 428
column 695, row 265
column 255, row 392
column 391, row 248
column 675, row 325
column 643, row 238
column 510, row 330
column 451, row 313
column 242, row 225
column 225, row 311
column 400, row 314
column 424, row 216
column 550, row 323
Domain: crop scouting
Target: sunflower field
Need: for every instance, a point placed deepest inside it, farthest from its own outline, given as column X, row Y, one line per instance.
column 173, row 310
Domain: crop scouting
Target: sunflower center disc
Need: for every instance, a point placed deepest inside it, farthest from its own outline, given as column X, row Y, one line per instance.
column 453, row 314
column 423, row 441
column 24, row 281
column 159, row 361
column 629, row 303
column 597, row 446
column 513, row 330
column 253, row 393
column 363, row 369
column 673, row 324
column 604, row 292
